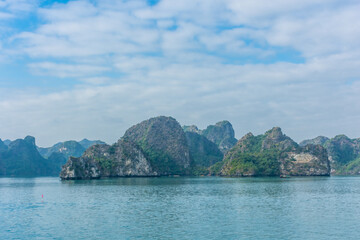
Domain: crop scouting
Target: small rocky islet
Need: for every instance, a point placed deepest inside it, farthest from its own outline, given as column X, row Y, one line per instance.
column 160, row 146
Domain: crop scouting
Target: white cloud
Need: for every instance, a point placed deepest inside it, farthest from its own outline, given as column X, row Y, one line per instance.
column 181, row 58
column 301, row 98
column 323, row 33
column 16, row 6
column 4, row 15
column 96, row 80
column 66, row 70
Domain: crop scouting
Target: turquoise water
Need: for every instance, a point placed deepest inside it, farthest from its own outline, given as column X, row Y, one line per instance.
column 180, row 208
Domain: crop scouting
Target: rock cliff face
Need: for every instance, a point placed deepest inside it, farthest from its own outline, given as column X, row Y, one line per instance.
column 311, row 160
column 342, row 150
column 154, row 147
column 203, row 152
column 273, row 154
column 123, row 159
column 21, row 158
column 275, row 139
column 222, row 134
column 344, row 153
column 164, row 143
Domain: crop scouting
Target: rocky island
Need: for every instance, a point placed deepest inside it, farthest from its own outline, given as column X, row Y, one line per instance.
column 344, row 153
column 273, row 154
column 161, row 147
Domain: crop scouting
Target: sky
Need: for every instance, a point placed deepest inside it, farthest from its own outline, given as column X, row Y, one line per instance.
column 93, row 68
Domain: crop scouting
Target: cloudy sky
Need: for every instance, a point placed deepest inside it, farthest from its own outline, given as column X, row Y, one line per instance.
column 93, row 68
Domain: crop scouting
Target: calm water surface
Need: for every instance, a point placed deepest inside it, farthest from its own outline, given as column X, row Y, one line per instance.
column 180, row 208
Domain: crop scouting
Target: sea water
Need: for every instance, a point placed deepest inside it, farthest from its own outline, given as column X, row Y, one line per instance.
column 180, row 208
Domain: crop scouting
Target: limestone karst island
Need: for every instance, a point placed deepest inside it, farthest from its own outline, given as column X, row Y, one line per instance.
column 160, row 146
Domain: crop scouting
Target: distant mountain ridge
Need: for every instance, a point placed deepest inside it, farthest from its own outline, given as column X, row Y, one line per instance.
column 21, row 158
column 159, row 146
column 69, row 148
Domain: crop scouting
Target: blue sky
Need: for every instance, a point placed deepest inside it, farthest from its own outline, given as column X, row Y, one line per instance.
column 75, row 69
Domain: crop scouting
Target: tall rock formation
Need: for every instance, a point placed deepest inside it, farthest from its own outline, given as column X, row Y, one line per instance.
column 164, row 143
column 154, row 147
column 344, row 153
column 222, row 134
column 342, row 150
column 203, row 152
column 273, row 154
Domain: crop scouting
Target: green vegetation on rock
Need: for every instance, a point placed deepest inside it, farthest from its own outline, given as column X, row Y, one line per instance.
column 343, row 153
column 122, row 159
column 164, row 143
column 272, row 154
column 252, row 164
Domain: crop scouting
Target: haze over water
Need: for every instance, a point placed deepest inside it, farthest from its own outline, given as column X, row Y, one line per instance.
column 180, row 208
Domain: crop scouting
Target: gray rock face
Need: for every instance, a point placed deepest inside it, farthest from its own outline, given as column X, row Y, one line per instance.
column 123, row 159
column 310, row 160
column 274, row 138
column 222, row 134
column 164, row 143
column 203, row 152
column 154, row 147
column 342, row 150
column 344, row 153
column 274, row 154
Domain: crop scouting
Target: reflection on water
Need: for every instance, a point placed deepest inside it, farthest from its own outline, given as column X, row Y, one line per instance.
column 180, row 208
